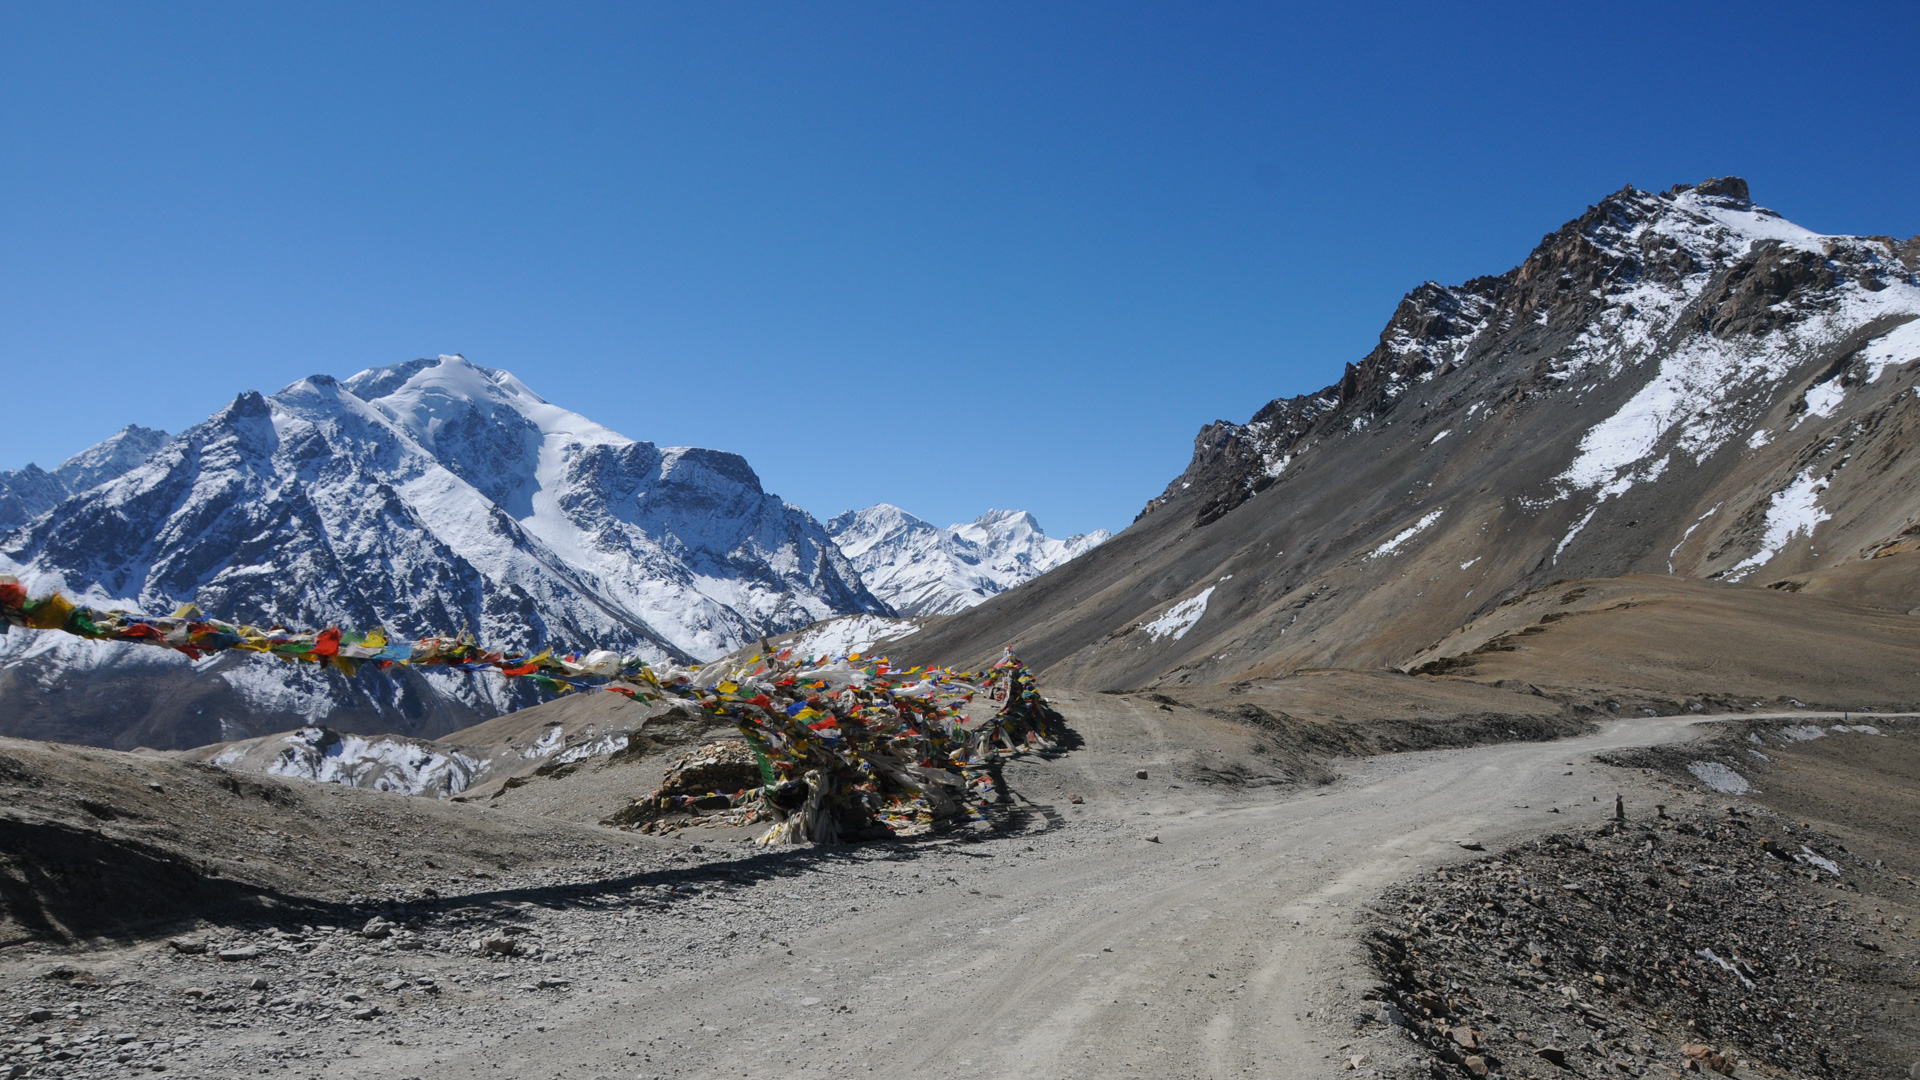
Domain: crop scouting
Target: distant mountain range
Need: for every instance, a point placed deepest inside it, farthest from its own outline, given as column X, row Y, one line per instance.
column 1676, row 383
column 430, row 496
column 921, row 569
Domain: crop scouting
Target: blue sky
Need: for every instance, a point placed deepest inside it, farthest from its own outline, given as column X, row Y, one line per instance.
column 949, row 256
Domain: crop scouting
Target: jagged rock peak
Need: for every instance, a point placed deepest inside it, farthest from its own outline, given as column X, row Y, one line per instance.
column 30, row 491
column 1634, row 261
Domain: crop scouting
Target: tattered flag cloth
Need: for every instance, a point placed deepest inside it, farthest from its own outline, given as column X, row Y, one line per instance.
column 847, row 747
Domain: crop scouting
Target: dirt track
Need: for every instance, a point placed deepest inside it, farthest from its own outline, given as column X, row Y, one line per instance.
column 1077, row 949
column 1224, row 949
column 1221, row 950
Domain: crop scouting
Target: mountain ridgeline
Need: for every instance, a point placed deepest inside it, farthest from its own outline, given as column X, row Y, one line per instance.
column 428, row 497
column 434, row 496
column 1680, row 383
column 921, row 569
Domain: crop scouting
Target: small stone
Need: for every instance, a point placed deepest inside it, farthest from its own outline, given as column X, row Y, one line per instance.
column 377, row 927
column 187, row 945
column 197, row 992
column 257, row 984
column 1468, row 1038
column 500, row 945
column 554, row 984
column 367, row 1013
column 393, row 984
column 1151, row 838
column 40, row 1016
column 124, row 1038
column 1471, row 845
column 1475, row 1064
column 351, row 998
column 1140, row 775
column 1075, row 800
column 153, row 785
column 244, row 952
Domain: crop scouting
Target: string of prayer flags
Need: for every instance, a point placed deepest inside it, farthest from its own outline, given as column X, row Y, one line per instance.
column 847, row 747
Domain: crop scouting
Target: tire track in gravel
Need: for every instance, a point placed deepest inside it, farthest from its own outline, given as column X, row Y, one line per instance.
column 1233, row 950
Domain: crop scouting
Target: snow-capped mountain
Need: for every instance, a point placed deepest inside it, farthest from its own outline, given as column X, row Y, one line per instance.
column 921, row 569
column 27, row 493
column 1674, row 383
column 431, row 496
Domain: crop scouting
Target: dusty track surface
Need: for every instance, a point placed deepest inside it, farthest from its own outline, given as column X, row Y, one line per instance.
column 1075, row 947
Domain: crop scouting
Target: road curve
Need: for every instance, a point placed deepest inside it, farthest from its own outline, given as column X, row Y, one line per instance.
column 1226, row 948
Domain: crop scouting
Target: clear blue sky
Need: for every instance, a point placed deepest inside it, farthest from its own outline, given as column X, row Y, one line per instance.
column 949, row 256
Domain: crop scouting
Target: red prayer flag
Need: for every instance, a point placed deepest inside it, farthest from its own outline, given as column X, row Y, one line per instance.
column 328, row 643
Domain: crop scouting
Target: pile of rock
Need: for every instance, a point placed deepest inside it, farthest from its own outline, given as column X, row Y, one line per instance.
column 719, row 779
column 1726, row 942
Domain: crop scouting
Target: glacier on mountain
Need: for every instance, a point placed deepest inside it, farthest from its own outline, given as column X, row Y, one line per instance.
column 434, row 496
column 921, row 569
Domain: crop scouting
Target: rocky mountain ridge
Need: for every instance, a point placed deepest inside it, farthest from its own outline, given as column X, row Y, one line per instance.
column 1675, row 383
column 28, row 492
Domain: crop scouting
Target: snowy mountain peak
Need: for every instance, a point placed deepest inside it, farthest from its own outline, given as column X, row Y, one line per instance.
column 430, row 496
column 31, row 491
column 105, row 460
column 921, row 569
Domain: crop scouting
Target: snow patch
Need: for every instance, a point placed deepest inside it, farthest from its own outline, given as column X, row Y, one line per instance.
column 1710, row 955
column 1393, row 546
column 1824, row 400
column 387, row 763
column 1810, row 857
column 1180, row 618
column 606, row 744
column 1900, row 345
column 1719, row 777
column 850, row 635
column 1575, row 531
column 552, row 740
column 1795, row 512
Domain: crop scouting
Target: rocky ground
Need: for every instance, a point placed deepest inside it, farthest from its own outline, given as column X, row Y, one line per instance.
column 1716, row 933
column 442, row 975
column 1139, row 912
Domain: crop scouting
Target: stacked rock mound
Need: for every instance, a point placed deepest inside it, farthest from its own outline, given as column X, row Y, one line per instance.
column 710, row 782
column 847, row 749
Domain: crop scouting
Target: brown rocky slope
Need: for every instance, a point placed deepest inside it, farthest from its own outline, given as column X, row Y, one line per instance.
column 1674, row 384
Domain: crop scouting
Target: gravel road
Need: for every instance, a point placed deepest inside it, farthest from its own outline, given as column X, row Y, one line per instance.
column 1157, row 929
